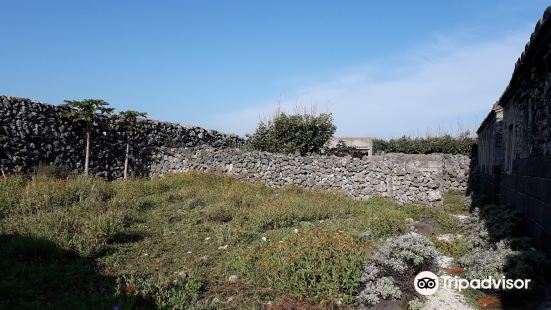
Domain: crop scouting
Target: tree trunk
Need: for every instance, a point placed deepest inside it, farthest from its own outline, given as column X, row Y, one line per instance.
column 126, row 160
column 87, row 155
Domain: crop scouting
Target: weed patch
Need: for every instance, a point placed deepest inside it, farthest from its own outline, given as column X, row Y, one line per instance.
column 287, row 247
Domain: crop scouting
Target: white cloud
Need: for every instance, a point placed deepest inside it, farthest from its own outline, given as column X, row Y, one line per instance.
column 439, row 85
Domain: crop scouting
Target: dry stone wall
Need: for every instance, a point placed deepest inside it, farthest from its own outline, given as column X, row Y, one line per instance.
column 407, row 178
column 32, row 132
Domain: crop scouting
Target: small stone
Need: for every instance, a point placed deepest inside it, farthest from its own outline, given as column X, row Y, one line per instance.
column 434, row 196
column 490, row 302
column 264, row 239
column 388, row 305
column 182, row 274
column 233, row 278
column 224, row 247
column 424, row 229
column 454, row 270
column 444, row 261
column 445, row 237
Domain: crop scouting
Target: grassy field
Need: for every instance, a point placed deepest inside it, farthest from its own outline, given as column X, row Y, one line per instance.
column 188, row 241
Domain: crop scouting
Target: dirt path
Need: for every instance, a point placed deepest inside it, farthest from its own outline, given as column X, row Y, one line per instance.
column 446, row 298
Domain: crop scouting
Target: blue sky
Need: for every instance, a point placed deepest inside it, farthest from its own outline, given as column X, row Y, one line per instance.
column 384, row 68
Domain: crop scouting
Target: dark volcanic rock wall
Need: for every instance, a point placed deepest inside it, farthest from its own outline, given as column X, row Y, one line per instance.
column 33, row 133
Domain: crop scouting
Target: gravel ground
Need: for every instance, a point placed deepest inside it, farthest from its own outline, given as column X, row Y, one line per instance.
column 446, row 298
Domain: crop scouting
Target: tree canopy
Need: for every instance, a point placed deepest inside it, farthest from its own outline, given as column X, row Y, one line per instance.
column 293, row 133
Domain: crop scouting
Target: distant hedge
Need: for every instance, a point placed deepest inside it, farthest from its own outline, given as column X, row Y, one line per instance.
column 446, row 144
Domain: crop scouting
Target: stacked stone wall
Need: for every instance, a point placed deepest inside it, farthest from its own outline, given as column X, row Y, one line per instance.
column 32, row 133
column 407, row 178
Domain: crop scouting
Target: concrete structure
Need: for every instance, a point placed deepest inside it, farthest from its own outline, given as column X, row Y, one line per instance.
column 522, row 157
column 363, row 144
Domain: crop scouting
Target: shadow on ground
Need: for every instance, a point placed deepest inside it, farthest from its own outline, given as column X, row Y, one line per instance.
column 505, row 223
column 36, row 274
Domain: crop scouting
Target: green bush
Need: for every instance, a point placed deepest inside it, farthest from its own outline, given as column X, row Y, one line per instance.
column 497, row 247
column 446, row 144
column 454, row 248
column 391, row 270
column 292, row 133
column 160, row 292
column 315, row 264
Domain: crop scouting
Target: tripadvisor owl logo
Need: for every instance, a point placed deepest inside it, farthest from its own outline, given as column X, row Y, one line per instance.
column 426, row 283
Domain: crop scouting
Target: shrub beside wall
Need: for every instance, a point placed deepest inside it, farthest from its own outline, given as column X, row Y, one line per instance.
column 293, row 133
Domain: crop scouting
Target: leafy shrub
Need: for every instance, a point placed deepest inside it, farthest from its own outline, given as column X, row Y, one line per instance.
column 501, row 221
column 316, row 264
column 492, row 235
column 160, row 292
column 454, row 248
column 292, row 133
column 502, row 260
column 444, row 144
column 391, row 270
column 490, row 224
column 483, row 262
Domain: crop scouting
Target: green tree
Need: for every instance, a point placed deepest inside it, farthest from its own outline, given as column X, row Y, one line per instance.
column 129, row 119
column 86, row 113
column 292, row 133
